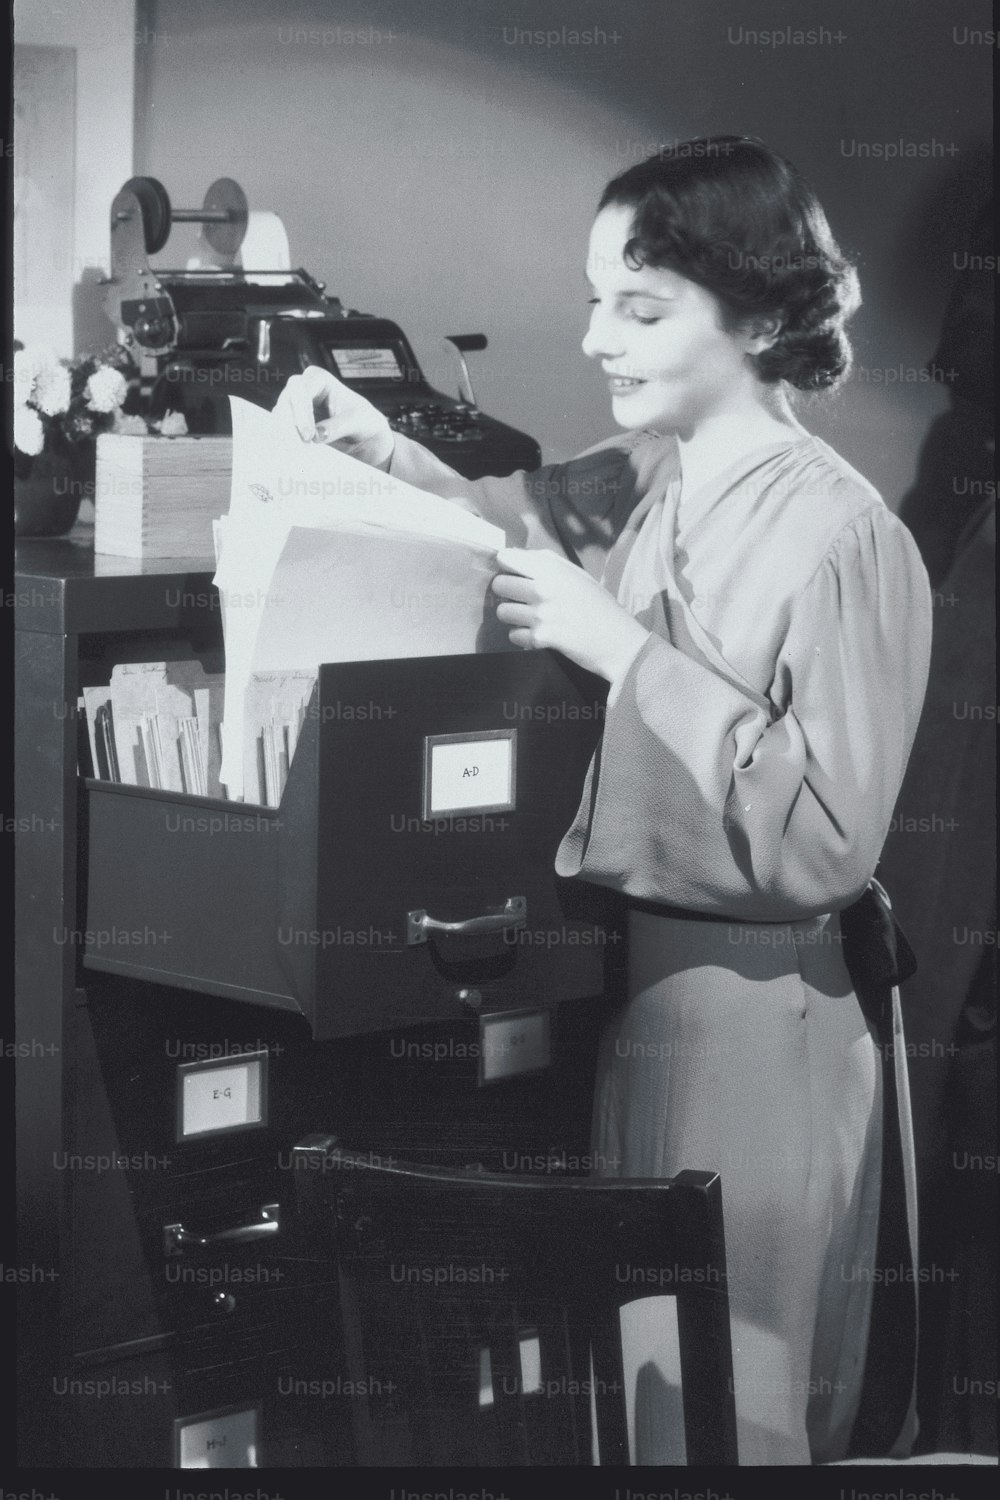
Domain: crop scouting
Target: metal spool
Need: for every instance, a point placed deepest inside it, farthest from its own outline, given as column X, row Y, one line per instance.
column 225, row 198
column 154, row 204
column 224, row 214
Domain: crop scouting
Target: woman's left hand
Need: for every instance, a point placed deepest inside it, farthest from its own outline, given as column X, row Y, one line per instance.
column 551, row 602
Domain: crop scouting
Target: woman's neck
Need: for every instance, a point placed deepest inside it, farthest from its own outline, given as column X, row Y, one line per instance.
column 721, row 440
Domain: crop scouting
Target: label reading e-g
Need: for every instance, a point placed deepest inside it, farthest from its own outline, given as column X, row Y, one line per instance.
column 224, row 1097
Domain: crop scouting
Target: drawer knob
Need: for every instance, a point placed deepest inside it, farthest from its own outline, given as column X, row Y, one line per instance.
column 471, row 999
column 224, row 1302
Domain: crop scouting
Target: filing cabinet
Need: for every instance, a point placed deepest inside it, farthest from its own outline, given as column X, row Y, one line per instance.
column 362, row 903
column 381, row 1043
column 231, row 1401
column 407, row 1095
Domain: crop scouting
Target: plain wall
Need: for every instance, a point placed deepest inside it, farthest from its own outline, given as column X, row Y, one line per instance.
column 102, row 33
column 437, row 163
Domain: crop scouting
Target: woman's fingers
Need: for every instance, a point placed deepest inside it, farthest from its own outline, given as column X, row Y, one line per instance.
column 509, row 586
column 538, row 563
column 339, row 428
column 521, row 638
column 530, row 590
column 302, row 395
column 521, row 560
column 516, row 614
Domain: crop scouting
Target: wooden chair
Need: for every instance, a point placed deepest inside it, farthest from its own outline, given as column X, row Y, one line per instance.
column 480, row 1311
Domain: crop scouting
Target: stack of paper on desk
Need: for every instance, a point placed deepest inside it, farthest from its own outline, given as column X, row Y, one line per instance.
column 323, row 559
column 157, row 496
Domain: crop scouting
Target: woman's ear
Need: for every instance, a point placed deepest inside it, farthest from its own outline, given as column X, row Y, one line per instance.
column 761, row 334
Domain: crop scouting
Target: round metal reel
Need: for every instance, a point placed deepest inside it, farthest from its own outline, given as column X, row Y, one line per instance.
column 226, row 196
column 154, row 204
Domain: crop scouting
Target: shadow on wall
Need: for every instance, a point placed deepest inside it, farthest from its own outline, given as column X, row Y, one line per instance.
column 931, row 239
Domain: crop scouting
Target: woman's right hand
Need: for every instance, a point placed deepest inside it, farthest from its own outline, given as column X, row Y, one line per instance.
column 324, row 410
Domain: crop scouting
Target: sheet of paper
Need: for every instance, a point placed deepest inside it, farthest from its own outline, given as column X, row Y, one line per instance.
column 187, row 692
column 208, row 704
column 271, row 465
column 269, row 696
column 152, row 688
column 280, row 483
column 328, row 603
column 133, row 698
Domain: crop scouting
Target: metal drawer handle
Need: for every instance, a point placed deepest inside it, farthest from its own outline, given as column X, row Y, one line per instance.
column 513, row 913
column 176, row 1237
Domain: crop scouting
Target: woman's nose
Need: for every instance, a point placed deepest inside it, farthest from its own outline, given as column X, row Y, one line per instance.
column 598, row 342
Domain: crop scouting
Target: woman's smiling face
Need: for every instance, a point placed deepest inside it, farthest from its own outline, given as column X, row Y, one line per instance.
column 660, row 339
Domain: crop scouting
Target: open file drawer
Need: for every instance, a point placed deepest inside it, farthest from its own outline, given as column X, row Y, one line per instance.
column 408, row 874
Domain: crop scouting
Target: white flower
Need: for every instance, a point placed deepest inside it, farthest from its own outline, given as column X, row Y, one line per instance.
column 29, row 365
column 52, row 391
column 106, row 389
column 172, row 424
column 130, row 426
column 29, row 434
column 24, row 376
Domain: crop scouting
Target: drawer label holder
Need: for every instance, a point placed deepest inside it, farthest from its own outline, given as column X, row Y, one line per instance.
column 469, row 773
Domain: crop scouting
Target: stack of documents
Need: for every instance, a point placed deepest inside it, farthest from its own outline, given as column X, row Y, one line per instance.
column 276, row 706
column 157, row 725
column 324, row 559
column 158, row 496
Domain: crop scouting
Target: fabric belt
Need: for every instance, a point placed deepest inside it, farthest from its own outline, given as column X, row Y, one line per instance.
column 683, row 914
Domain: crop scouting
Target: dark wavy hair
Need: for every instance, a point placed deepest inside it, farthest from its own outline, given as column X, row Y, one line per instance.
column 733, row 216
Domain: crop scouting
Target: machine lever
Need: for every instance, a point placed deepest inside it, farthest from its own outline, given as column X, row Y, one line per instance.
column 459, row 344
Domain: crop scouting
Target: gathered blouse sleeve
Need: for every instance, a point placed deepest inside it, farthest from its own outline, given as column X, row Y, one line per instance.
column 700, row 798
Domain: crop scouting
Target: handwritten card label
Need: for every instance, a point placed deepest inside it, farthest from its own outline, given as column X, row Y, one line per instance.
column 220, row 1097
column 469, row 773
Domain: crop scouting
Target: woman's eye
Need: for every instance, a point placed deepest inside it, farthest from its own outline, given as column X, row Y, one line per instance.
column 627, row 313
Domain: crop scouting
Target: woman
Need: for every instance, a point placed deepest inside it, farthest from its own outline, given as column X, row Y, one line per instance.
column 764, row 624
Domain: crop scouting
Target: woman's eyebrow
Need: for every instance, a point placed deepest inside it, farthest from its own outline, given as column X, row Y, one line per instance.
column 649, row 296
column 636, row 292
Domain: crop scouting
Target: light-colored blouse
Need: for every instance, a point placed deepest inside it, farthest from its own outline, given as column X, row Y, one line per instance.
column 753, row 752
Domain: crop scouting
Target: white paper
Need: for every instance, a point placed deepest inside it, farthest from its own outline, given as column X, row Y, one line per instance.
column 280, row 483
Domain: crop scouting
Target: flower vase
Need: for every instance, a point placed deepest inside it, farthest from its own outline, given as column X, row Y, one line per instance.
column 48, row 489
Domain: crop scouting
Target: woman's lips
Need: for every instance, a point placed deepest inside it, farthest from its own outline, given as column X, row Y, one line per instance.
column 622, row 385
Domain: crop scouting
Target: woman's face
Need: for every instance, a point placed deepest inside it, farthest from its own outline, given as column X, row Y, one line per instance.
column 660, row 339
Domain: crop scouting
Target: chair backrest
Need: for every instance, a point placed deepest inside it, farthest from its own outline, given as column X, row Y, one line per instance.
column 480, row 1312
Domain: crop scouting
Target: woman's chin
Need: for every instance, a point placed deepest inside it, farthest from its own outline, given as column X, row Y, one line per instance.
column 633, row 413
